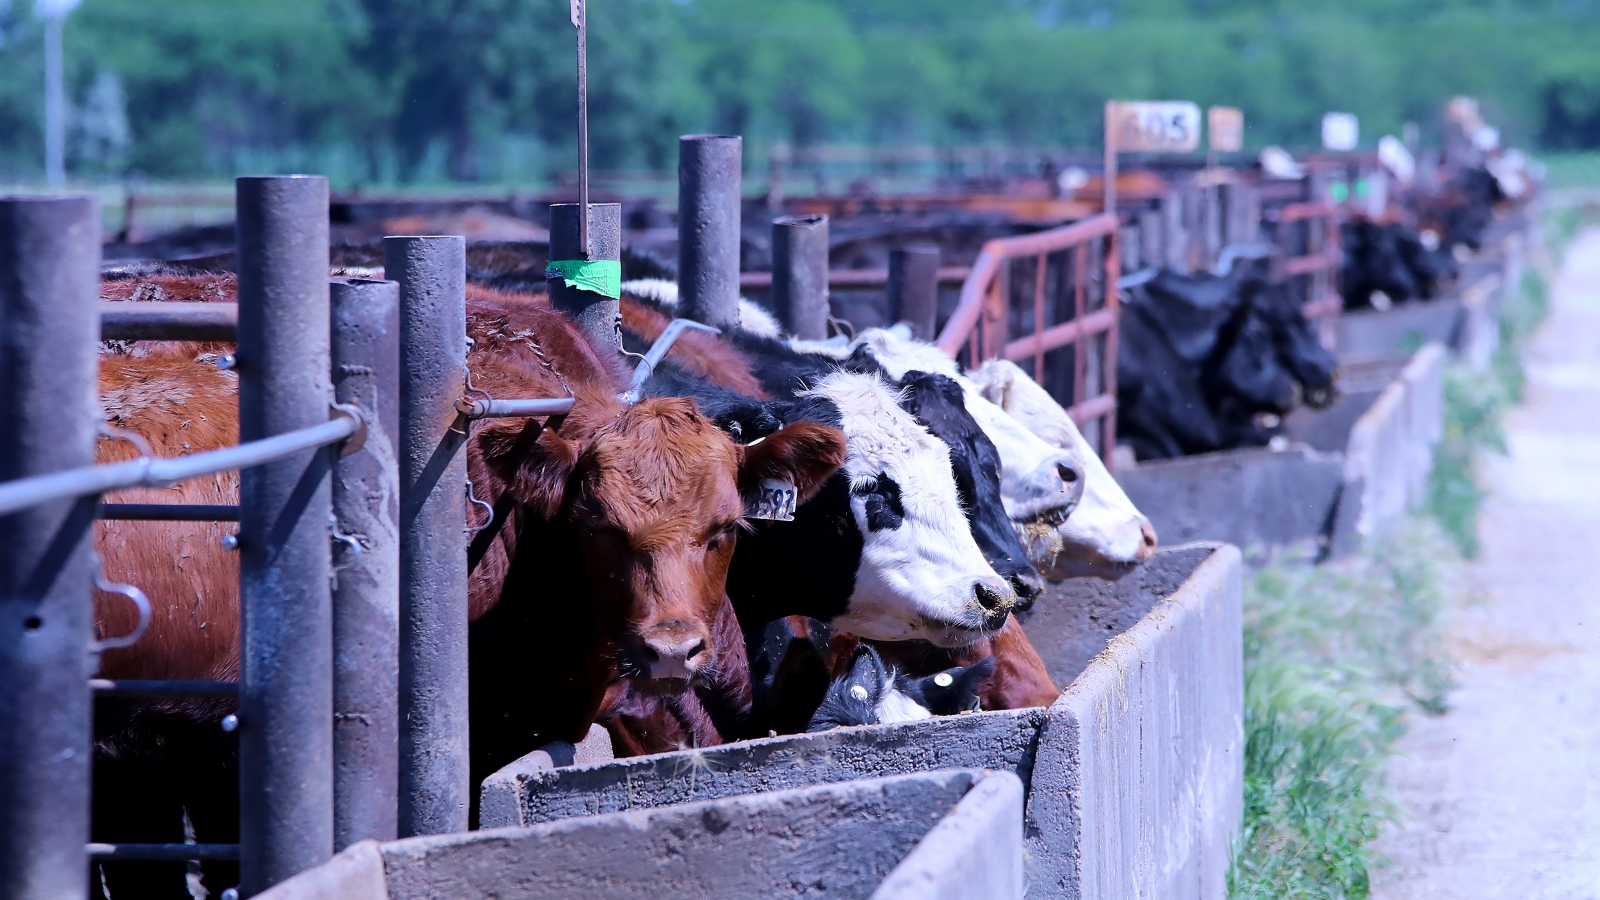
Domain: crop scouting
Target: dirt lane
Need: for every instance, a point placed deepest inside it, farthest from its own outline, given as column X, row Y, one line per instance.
column 1502, row 794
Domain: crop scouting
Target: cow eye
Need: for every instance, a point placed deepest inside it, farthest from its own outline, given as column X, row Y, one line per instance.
column 883, row 506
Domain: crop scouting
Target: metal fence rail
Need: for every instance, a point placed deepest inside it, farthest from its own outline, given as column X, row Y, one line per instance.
column 1308, row 236
column 1073, row 301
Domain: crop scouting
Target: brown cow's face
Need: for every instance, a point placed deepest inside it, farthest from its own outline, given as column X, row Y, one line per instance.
column 655, row 497
column 656, row 503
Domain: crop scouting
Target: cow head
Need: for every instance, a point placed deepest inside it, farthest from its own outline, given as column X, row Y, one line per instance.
column 921, row 574
column 654, row 495
column 1106, row 536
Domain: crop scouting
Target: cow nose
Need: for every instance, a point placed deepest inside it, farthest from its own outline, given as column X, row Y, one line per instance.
column 674, row 655
column 1028, row 586
column 1147, row 543
column 995, row 602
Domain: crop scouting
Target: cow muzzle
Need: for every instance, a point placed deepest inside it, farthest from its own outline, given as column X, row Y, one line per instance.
column 672, row 654
column 1048, row 494
column 993, row 600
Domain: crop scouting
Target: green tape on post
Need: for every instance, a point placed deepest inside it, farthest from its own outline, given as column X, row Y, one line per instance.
column 600, row 276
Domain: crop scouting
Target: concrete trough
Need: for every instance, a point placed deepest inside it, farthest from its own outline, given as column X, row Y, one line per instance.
column 1133, row 778
column 954, row 833
column 1346, row 471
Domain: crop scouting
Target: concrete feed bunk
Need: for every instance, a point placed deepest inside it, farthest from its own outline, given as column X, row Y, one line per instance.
column 952, row 834
column 1133, row 777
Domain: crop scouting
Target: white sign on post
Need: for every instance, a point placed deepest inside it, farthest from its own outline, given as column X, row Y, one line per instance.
column 1155, row 126
column 1340, row 131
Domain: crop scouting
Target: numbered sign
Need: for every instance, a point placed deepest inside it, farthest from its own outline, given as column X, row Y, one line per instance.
column 1225, row 129
column 1340, row 131
column 1155, row 126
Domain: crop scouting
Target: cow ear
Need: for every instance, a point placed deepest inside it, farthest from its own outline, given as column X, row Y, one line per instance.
column 537, row 462
column 805, row 454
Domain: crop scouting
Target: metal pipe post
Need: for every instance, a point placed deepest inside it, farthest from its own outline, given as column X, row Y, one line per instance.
column 432, row 272
column 286, row 610
column 595, row 313
column 366, row 587
column 708, row 228
column 914, row 289
column 800, row 275
column 49, row 413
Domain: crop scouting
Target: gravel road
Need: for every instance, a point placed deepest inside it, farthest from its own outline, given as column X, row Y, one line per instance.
column 1502, row 794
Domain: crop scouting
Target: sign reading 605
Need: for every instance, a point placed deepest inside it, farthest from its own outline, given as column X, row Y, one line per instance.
column 1155, row 126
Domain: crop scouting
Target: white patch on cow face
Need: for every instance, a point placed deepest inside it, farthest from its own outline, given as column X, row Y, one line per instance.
column 1032, row 483
column 923, row 576
column 894, row 707
column 1106, row 536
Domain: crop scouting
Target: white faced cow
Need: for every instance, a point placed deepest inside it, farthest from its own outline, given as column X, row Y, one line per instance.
column 1106, row 536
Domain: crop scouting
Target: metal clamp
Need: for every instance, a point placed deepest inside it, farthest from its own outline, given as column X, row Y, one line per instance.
column 657, row 352
column 473, row 499
column 132, row 593
column 358, row 437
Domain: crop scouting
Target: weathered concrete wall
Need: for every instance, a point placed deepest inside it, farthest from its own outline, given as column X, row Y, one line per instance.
column 849, row 840
column 1266, row 498
column 989, row 740
column 1368, row 334
column 1138, row 783
column 974, row 852
column 1251, row 498
column 1125, row 768
column 1390, row 455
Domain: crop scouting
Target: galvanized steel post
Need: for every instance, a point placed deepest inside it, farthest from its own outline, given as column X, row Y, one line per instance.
column 366, row 587
column 800, row 275
column 286, row 610
column 49, row 288
column 432, row 272
column 914, row 289
column 708, row 228
column 595, row 313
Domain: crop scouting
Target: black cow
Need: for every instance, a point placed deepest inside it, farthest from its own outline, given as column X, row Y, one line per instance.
column 1202, row 357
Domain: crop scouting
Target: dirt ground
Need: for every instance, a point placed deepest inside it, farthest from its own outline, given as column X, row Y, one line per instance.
column 1502, row 795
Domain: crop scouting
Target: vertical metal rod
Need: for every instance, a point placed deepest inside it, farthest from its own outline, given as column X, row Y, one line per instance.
column 55, row 104
column 595, row 313
column 432, row 272
column 366, row 588
column 1110, row 188
column 1108, row 380
column 1038, row 314
column 286, row 609
column 800, row 275
column 914, row 289
column 49, row 290
column 1080, row 308
column 708, row 228
column 580, row 10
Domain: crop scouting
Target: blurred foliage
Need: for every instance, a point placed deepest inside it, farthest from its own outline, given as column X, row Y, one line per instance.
column 426, row 90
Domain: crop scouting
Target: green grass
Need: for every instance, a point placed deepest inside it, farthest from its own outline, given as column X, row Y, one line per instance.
column 1571, row 170
column 1336, row 656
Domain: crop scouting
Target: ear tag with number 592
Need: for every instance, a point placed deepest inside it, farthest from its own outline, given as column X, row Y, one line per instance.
column 774, row 500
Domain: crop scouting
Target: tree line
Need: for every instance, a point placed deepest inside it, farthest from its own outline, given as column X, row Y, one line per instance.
column 390, row 91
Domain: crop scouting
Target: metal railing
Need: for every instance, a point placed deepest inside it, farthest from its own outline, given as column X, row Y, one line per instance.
column 1072, row 304
column 1308, row 235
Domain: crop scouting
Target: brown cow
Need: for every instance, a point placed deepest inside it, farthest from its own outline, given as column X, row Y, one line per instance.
column 1020, row 678
column 614, row 530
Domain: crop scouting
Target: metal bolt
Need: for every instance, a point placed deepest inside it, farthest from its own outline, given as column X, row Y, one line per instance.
column 230, row 542
column 226, row 361
column 230, row 724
